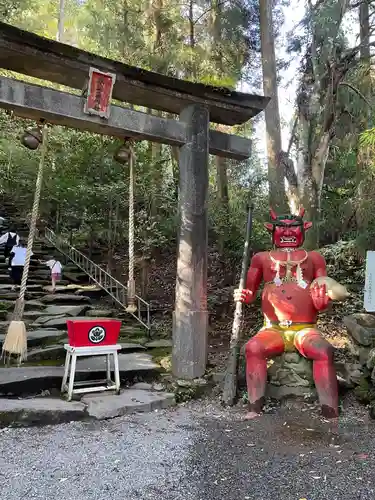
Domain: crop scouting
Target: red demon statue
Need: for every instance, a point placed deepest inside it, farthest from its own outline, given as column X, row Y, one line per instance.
column 290, row 306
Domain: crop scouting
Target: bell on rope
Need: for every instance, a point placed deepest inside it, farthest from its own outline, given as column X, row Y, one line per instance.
column 122, row 155
column 31, row 138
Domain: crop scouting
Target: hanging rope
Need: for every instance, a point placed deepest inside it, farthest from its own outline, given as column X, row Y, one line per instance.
column 15, row 342
column 131, row 282
column 20, row 303
column 126, row 154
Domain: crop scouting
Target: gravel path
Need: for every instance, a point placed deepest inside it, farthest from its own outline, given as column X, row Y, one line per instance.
column 198, row 451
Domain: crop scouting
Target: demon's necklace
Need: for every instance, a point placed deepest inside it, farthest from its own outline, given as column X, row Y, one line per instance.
column 289, row 264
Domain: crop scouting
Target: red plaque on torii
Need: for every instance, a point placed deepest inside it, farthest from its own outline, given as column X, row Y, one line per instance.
column 99, row 93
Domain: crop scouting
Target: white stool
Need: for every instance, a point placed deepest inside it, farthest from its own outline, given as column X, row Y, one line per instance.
column 72, row 353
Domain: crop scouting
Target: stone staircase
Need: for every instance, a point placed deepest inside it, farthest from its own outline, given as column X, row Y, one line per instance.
column 28, row 390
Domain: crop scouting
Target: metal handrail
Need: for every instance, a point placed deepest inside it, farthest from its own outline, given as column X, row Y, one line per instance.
column 108, row 283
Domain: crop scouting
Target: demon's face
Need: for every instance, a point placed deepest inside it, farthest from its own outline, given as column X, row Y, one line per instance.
column 288, row 231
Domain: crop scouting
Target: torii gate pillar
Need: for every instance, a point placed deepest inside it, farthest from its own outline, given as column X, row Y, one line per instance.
column 190, row 319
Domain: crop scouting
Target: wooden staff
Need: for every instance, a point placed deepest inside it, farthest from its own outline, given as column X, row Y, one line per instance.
column 230, row 381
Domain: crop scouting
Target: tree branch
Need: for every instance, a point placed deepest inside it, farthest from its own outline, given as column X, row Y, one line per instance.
column 292, row 135
column 358, row 92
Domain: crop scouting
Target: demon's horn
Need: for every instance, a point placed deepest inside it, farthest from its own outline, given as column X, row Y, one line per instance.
column 301, row 212
column 273, row 214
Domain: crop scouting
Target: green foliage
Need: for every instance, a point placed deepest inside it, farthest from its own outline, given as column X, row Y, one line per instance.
column 85, row 191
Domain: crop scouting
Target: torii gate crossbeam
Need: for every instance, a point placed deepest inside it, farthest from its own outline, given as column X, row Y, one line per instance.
column 196, row 104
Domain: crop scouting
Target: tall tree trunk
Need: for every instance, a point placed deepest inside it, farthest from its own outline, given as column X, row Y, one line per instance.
column 60, row 22
column 192, row 67
column 364, row 189
column 364, row 26
column 311, row 176
column 272, row 115
column 220, row 163
column 155, row 150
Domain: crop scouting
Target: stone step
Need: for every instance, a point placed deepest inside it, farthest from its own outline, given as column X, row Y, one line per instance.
column 30, row 288
column 39, row 411
column 6, row 295
column 64, row 289
column 65, row 299
column 5, row 324
column 56, row 322
column 75, row 277
column 35, row 337
column 57, row 352
column 104, row 406
column 6, row 279
column 29, row 305
column 100, row 406
column 33, row 379
column 48, row 353
column 101, row 313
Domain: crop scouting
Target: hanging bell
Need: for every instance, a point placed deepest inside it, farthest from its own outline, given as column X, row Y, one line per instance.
column 122, row 155
column 31, row 138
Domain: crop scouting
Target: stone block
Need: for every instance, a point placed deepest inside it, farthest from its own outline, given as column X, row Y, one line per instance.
column 361, row 327
column 66, row 299
column 286, row 391
column 39, row 411
column 71, row 310
column 105, row 406
column 291, row 369
column 290, row 375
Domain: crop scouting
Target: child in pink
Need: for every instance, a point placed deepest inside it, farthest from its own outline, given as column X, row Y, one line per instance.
column 56, row 268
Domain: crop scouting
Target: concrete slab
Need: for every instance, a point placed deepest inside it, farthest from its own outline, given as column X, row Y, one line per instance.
column 39, row 411
column 104, row 406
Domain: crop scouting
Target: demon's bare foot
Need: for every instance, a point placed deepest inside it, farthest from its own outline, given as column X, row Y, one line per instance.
column 254, row 409
column 250, row 415
column 329, row 412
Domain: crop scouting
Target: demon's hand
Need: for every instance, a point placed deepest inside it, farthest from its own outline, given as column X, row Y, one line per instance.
column 245, row 296
column 319, row 296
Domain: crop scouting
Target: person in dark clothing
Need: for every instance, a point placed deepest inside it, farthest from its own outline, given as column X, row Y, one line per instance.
column 9, row 239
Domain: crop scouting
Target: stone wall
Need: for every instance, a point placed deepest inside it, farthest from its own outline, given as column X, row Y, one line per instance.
column 361, row 330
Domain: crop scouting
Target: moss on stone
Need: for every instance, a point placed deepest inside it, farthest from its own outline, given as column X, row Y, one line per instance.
column 364, row 392
column 5, row 306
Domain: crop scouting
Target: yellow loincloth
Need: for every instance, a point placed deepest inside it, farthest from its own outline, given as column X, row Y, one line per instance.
column 289, row 332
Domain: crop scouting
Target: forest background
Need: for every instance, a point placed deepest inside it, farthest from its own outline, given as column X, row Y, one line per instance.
column 327, row 163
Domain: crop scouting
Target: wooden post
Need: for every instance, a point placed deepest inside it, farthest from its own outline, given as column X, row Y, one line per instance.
column 190, row 320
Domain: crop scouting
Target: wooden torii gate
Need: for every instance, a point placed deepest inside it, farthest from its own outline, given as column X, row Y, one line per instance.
column 196, row 105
